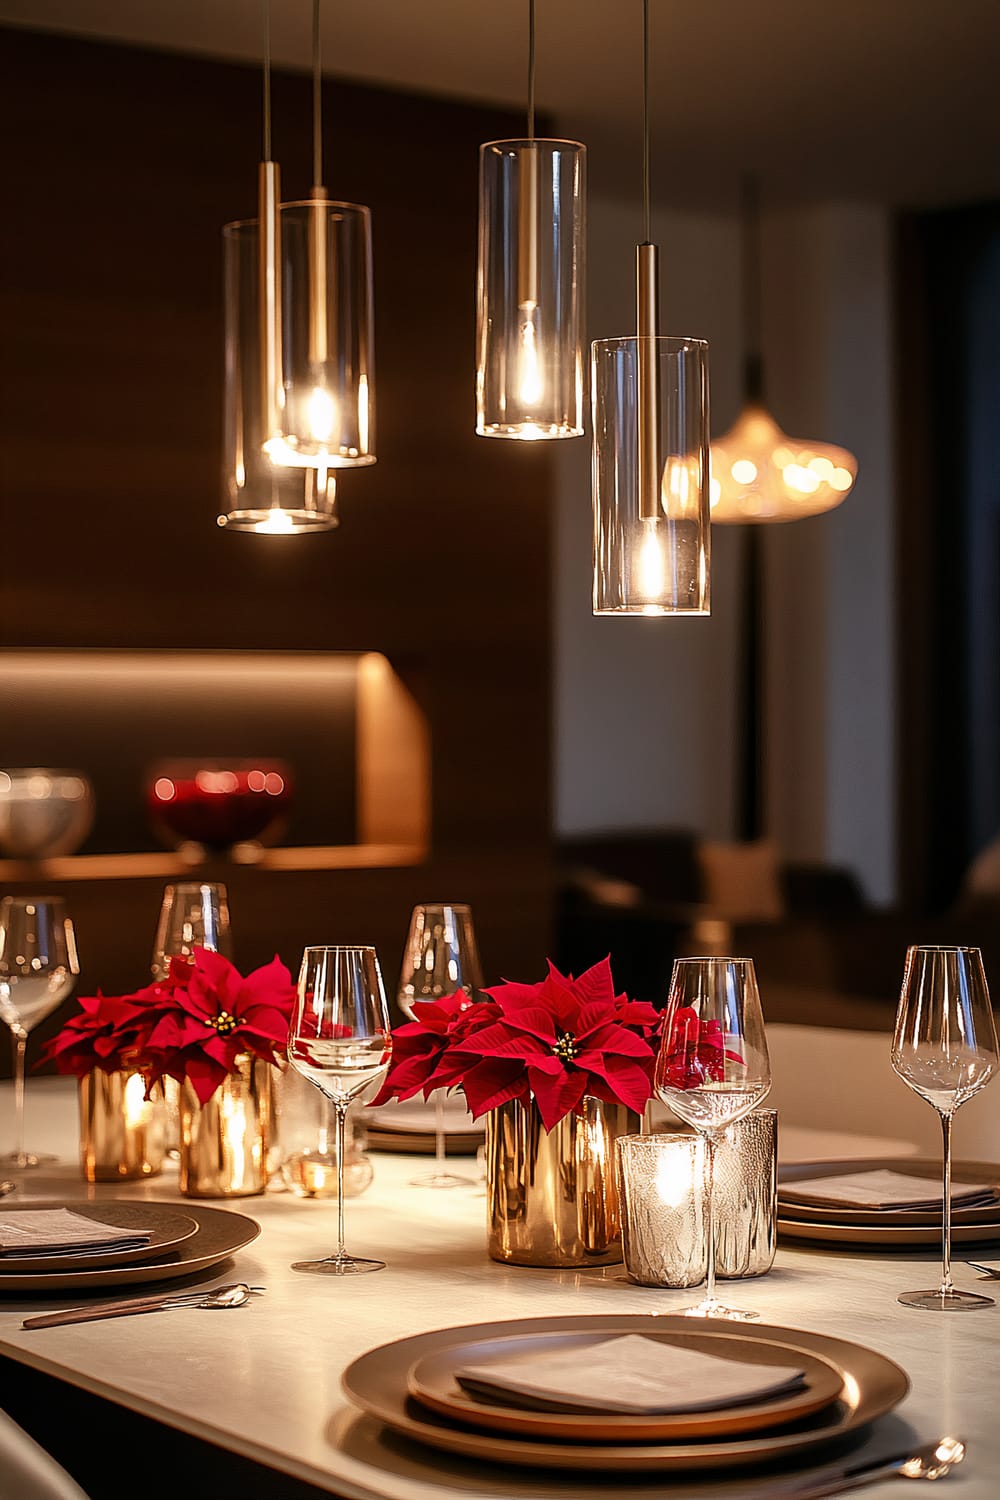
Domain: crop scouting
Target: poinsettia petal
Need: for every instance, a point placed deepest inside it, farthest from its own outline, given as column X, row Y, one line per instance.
column 557, row 1096
column 595, row 986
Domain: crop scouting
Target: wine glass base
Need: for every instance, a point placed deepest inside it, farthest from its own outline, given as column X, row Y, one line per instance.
column 441, row 1180
column 718, row 1310
column 338, row 1265
column 26, row 1161
column 953, row 1301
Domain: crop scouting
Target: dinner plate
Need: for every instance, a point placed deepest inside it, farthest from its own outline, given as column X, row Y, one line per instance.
column 882, row 1236
column 419, row 1144
column 169, row 1228
column 432, row 1381
column 376, row 1382
column 790, row 1208
column 220, row 1233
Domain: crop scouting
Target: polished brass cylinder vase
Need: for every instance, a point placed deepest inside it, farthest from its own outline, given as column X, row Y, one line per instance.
column 225, row 1142
column 122, row 1133
column 552, row 1197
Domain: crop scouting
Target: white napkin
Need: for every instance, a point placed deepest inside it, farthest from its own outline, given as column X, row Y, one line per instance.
column 59, row 1231
column 884, row 1189
column 628, row 1374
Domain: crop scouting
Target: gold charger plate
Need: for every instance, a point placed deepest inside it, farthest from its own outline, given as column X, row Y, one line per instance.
column 168, row 1229
column 790, row 1208
column 432, row 1382
column 220, row 1234
column 376, row 1382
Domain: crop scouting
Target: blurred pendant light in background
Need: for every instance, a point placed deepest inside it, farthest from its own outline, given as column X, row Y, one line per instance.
column 759, row 474
column 650, row 469
column 257, row 495
column 322, row 412
column 530, row 283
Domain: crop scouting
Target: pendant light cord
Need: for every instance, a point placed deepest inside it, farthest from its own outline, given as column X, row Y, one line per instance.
column 531, row 70
column 645, row 122
column 266, row 6
column 317, row 102
column 753, row 369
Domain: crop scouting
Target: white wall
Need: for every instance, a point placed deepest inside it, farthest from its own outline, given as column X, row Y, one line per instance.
column 646, row 708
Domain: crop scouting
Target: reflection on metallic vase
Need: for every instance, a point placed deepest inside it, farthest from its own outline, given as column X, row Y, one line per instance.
column 224, row 1142
column 662, row 1186
column 552, row 1198
column 122, row 1133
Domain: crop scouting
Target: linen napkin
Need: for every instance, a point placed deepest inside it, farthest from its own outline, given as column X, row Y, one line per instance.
column 631, row 1374
column 59, row 1231
column 884, row 1189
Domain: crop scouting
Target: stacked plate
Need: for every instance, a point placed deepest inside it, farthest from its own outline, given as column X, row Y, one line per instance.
column 157, row 1242
column 423, row 1387
column 886, row 1203
column 411, row 1127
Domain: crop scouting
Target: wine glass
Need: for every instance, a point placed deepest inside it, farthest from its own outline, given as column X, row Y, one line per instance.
column 945, row 1047
column 340, row 1040
column 712, row 1068
column 38, row 968
column 440, row 958
column 194, row 914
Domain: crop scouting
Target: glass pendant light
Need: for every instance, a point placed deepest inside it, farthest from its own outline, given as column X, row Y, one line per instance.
column 758, row 473
column 530, row 292
column 650, row 470
column 257, row 496
column 322, row 415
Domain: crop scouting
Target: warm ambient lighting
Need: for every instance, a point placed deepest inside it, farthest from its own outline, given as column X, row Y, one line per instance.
column 529, row 299
column 759, row 474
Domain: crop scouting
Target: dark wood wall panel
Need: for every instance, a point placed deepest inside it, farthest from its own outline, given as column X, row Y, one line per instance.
column 123, row 166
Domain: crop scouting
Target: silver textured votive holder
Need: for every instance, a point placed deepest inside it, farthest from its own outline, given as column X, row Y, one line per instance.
column 662, row 1193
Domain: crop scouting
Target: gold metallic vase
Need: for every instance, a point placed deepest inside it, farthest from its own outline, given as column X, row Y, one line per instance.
column 552, row 1197
column 224, row 1143
column 122, row 1133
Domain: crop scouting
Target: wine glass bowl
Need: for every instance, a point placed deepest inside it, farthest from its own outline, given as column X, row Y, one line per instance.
column 340, row 1040
column 440, row 958
column 38, row 968
column 712, row 1068
column 945, row 1049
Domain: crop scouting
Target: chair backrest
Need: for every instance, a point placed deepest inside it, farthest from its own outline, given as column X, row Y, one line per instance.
column 27, row 1472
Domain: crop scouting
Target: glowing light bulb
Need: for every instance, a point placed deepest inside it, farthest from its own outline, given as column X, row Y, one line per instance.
column 321, row 409
column 650, row 568
column 529, row 375
column 744, row 471
column 278, row 523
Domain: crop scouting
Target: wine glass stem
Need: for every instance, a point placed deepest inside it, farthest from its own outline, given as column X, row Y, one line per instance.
column 19, row 1041
column 946, row 1282
column 709, row 1219
column 341, row 1148
column 440, row 1168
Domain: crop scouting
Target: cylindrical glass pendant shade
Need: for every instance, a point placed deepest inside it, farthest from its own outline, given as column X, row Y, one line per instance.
column 530, row 289
column 258, row 495
column 325, row 409
column 651, row 476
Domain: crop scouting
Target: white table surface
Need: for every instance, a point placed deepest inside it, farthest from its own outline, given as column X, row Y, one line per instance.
column 264, row 1381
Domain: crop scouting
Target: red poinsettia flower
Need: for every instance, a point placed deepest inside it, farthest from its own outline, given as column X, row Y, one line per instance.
column 694, row 1053
column 207, row 1013
column 106, row 1033
column 554, row 1041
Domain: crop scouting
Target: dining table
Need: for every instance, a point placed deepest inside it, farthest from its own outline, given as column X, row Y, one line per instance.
column 263, row 1382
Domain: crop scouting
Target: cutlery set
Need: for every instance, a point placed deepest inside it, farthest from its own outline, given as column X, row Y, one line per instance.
column 236, row 1294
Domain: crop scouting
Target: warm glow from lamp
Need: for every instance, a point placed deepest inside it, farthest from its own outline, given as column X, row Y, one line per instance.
column 760, row 474
column 650, row 565
column 529, row 377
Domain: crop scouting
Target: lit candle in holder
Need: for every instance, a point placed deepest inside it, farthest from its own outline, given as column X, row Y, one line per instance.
column 662, row 1192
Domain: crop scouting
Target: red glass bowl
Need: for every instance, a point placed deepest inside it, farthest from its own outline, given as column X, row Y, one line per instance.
column 219, row 803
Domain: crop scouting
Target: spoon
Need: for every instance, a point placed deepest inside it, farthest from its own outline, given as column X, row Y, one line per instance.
column 233, row 1295
column 932, row 1461
column 990, row 1271
column 7, row 1187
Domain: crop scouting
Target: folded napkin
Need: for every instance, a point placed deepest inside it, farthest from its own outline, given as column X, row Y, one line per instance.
column 630, row 1374
column 884, row 1189
column 59, row 1231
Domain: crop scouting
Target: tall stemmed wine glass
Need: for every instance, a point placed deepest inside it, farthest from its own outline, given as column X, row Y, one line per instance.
column 713, row 1068
column 194, row 914
column 945, row 1048
column 38, row 968
column 440, row 958
column 341, row 1041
